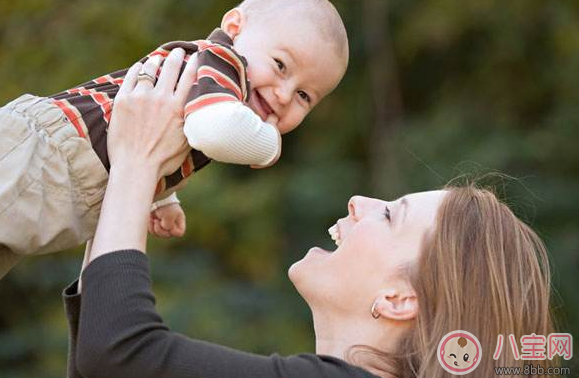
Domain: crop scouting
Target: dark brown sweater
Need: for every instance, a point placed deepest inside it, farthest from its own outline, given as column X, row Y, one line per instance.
column 221, row 77
column 115, row 331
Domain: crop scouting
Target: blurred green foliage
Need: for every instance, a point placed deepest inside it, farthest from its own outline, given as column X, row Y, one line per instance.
column 435, row 89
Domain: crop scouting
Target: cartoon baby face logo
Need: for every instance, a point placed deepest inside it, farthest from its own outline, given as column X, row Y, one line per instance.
column 459, row 352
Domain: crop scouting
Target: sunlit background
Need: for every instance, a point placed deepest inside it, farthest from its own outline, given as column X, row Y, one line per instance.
column 435, row 89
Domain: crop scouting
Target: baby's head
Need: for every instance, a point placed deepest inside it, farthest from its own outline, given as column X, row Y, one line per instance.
column 459, row 353
column 297, row 53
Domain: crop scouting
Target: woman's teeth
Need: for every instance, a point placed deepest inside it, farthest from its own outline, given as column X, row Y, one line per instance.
column 334, row 234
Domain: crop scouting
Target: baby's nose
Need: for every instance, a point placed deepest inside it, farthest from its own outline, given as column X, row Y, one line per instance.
column 284, row 94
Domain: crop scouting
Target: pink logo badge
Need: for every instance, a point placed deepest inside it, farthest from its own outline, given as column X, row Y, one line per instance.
column 459, row 352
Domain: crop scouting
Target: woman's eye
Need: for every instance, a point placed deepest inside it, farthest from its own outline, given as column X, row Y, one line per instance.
column 465, row 357
column 305, row 96
column 280, row 65
column 387, row 213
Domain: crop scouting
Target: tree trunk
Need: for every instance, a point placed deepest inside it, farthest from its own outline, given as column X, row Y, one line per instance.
column 387, row 106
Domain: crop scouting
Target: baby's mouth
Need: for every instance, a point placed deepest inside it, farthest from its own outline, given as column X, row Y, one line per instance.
column 263, row 105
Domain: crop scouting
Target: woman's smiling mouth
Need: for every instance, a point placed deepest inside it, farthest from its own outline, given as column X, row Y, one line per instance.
column 335, row 234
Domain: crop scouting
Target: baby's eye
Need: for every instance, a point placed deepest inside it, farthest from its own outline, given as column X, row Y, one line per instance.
column 280, row 65
column 387, row 213
column 305, row 96
column 465, row 357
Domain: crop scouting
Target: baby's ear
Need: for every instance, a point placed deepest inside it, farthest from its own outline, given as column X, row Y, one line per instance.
column 232, row 22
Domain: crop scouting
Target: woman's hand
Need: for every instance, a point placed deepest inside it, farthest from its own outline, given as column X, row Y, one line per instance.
column 145, row 142
column 146, row 128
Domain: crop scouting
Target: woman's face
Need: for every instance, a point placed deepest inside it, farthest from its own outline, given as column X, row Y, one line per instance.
column 376, row 241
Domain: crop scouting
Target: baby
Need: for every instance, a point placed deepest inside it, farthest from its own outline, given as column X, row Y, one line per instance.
column 258, row 76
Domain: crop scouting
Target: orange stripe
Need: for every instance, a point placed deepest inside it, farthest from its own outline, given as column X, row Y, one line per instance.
column 235, row 62
column 163, row 53
column 191, row 107
column 220, row 52
column 187, row 167
column 219, row 79
column 105, row 105
column 160, row 186
column 101, row 80
column 81, row 90
column 71, row 117
column 202, row 44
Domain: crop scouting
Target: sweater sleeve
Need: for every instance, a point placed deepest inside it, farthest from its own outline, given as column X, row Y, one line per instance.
column 231, row 132
column 120, row 334
column 71, row 298
column 171, row 199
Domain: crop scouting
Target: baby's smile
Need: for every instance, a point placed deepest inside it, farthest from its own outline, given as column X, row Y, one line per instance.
column 260, row 105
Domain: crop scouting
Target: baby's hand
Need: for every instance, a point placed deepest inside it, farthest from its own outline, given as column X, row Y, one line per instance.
column 272, row 119
column 167, row 221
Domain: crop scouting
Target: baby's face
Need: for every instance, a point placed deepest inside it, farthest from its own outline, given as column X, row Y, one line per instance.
column 460, row 355
column 291, row 67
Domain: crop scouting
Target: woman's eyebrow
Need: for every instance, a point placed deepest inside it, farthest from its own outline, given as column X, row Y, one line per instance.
column 402, row 211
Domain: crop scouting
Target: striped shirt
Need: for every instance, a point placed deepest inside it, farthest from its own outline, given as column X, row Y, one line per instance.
column 221, row 77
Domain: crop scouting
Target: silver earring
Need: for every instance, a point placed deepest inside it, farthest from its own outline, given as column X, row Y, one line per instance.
column 375, row 314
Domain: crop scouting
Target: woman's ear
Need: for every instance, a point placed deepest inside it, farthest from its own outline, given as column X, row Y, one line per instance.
column 233, row 22
column 396, row 305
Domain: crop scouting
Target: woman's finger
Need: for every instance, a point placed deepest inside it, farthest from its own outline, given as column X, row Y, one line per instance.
column 130, row 79
column 170, row 72
column 148, row 74
column 188, row 78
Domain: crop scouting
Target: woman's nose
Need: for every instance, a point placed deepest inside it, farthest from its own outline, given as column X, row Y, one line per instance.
column 360, row 206
column 355, row 208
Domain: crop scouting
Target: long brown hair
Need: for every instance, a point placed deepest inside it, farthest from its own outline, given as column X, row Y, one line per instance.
column 481, row 270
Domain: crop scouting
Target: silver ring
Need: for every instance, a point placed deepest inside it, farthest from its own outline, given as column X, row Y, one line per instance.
column 145, row 76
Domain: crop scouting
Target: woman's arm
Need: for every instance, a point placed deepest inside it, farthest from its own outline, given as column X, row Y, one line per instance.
column 122, row 335
column 145, row 141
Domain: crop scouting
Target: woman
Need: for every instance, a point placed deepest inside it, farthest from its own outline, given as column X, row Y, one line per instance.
column 405, row 274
